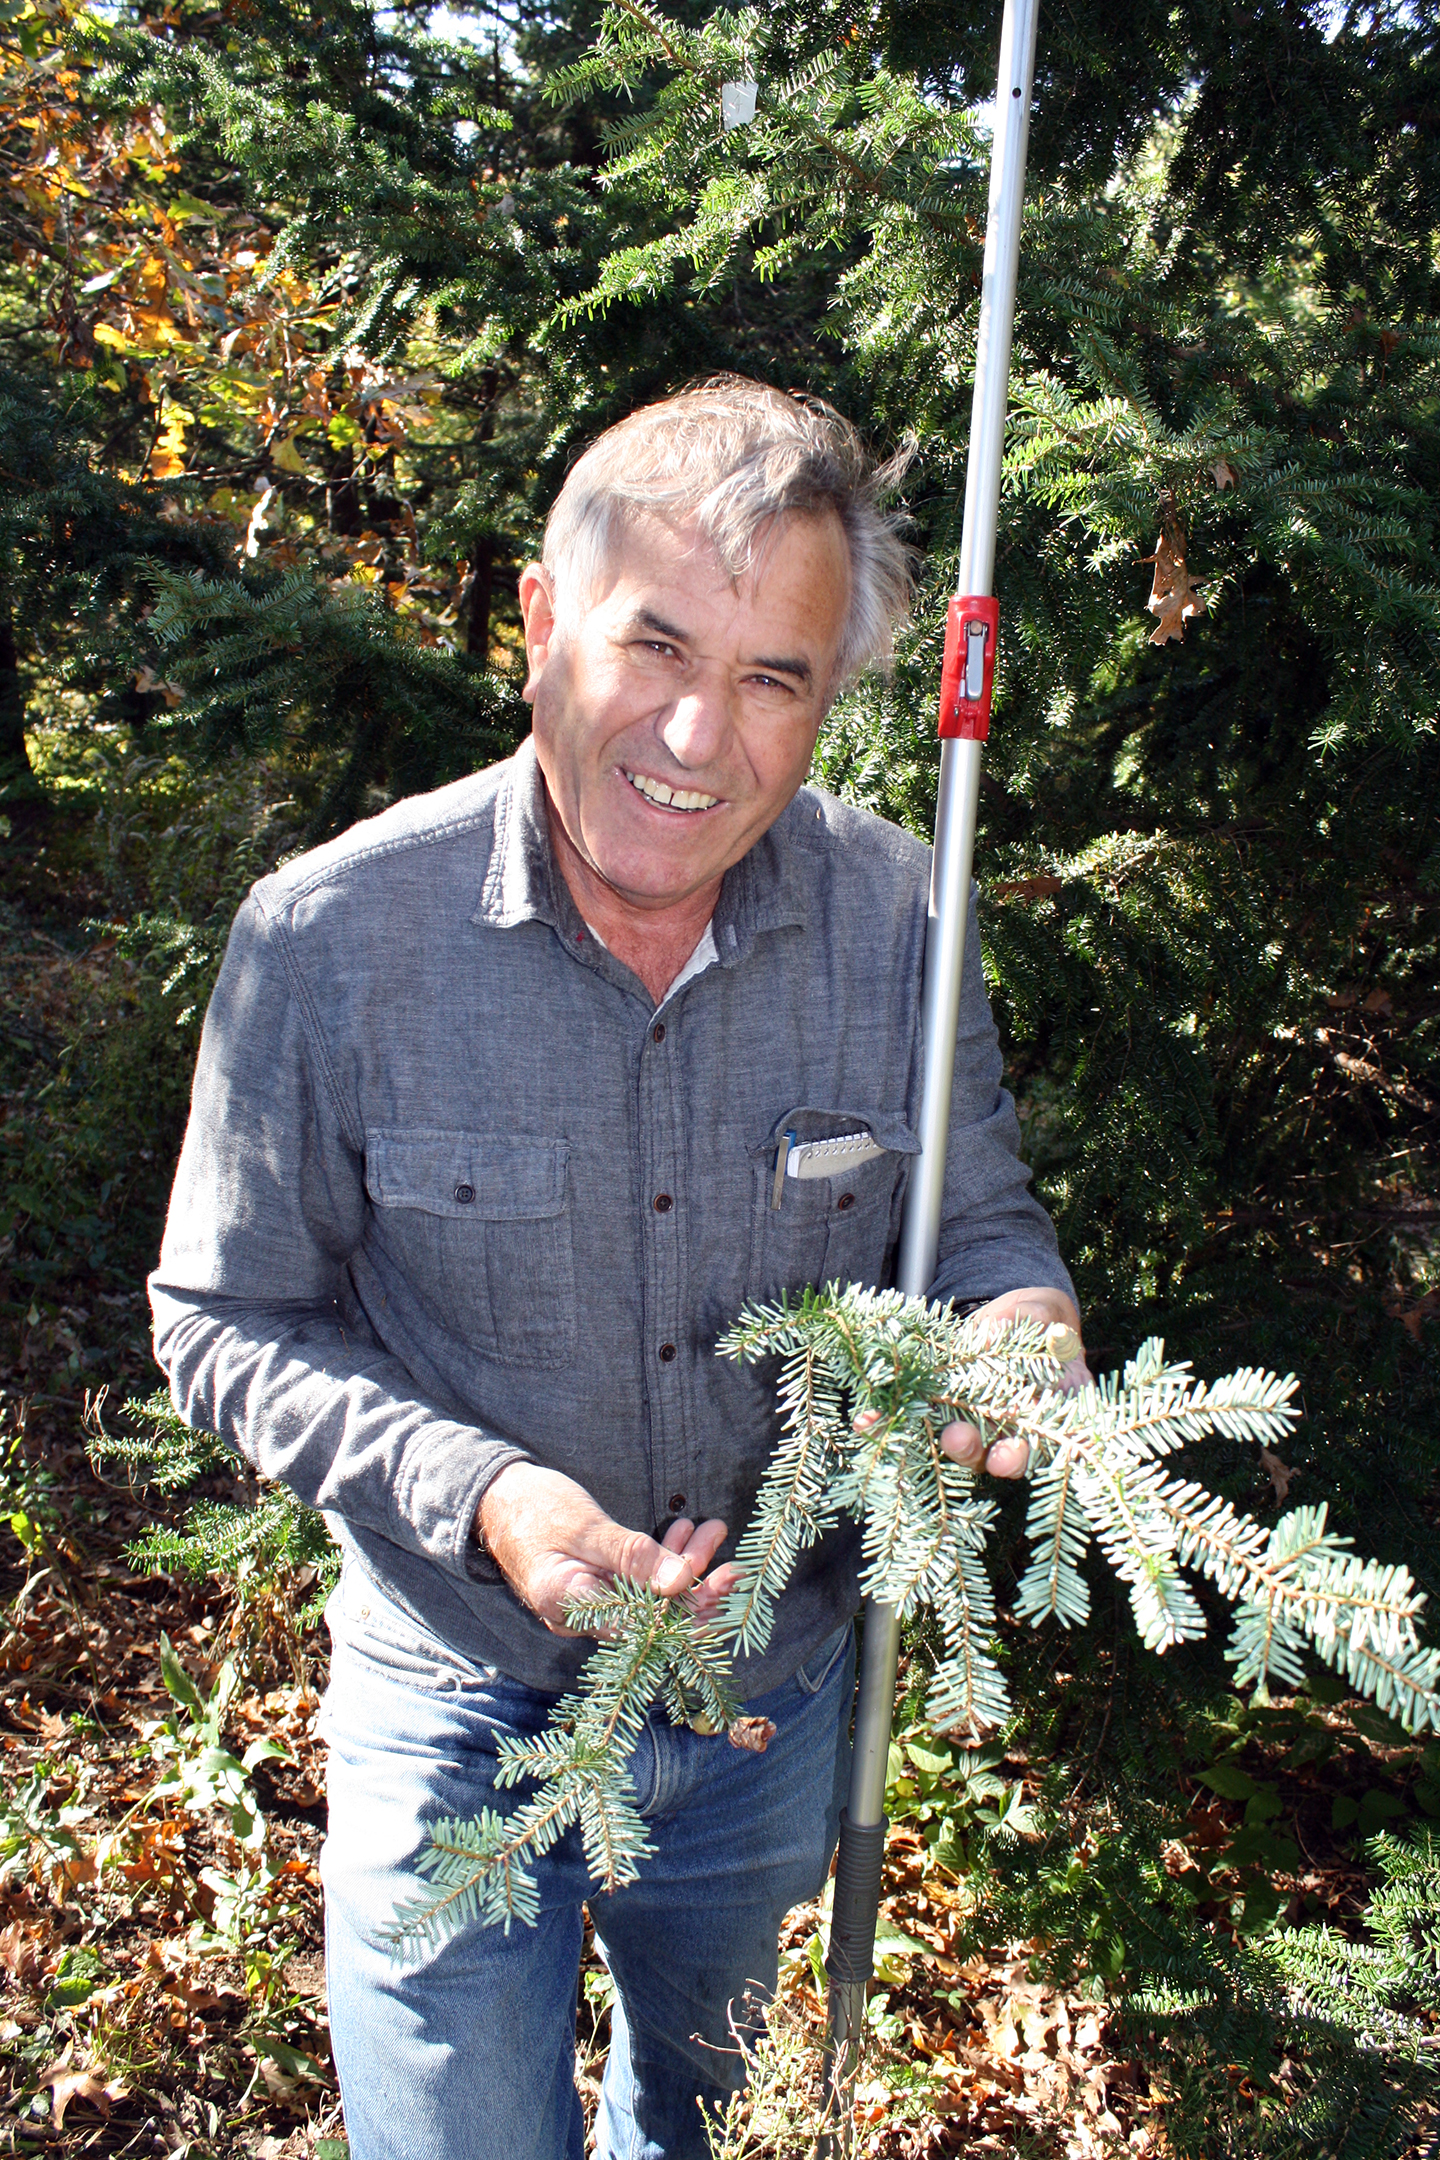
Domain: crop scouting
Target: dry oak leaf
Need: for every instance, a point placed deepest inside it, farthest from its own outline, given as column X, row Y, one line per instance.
column 1281, row 1475
column 1411, row 1318
column 1030, row 888
column 1174, row 597
column 67, row 2085
column 1225, row 474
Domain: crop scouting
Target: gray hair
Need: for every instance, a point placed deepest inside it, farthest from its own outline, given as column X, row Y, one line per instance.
column 729, row 457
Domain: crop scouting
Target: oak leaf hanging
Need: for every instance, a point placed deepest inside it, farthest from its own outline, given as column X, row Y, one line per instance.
column 1174, row 595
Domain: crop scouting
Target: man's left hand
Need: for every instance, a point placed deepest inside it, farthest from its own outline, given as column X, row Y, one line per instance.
column 1008, row 1458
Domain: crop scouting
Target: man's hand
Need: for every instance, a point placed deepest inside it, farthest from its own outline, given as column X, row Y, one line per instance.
column 552, row 1543
column 1007, row 1458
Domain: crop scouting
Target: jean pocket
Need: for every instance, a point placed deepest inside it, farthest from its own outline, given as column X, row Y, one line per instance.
column 818, row 1668
column 366, row 1624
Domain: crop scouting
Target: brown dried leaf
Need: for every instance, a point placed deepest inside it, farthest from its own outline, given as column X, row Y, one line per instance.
column 1030, row 888
column 1281, row 1475
column 1412, row 1318
column 20, row 1953
column 67, row 2085
column 1174, row 596
column 1225, row 474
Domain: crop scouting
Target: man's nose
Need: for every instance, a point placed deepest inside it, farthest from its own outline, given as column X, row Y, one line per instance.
column 698, row 724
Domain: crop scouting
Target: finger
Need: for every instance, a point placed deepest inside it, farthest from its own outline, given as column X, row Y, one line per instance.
column 707, row 1597
column 867, row 1420
column 962, row 1443
column 1040, row 1304
column 1008, row 1458
column 701, row 1548
column 677, row 1537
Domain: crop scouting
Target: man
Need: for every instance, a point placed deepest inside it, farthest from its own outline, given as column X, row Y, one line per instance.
column 493, row 1133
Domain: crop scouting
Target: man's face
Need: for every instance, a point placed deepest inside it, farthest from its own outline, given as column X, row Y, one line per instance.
column 675, row 713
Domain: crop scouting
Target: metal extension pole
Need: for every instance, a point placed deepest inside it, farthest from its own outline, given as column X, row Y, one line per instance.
column 965, row 697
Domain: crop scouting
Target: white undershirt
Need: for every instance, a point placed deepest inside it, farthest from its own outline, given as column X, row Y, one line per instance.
column 704, row 956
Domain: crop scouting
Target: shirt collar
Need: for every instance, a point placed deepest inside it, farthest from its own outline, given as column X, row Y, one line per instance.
column 521, row 878
column 523, row 883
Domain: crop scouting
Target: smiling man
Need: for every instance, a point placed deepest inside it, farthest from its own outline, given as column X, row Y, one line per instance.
column 507, row 1101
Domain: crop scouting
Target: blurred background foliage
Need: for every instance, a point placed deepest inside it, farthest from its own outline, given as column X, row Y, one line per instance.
column 304, row 312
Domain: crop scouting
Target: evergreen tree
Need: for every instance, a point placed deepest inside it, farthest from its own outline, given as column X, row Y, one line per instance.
column 1208, row 839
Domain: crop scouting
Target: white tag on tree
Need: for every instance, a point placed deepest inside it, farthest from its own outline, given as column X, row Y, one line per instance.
column 737, row 103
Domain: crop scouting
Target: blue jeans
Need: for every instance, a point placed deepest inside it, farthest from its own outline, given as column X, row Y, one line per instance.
column 467, row 2052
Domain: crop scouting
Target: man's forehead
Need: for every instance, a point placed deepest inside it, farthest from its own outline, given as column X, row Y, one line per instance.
column 676, row 571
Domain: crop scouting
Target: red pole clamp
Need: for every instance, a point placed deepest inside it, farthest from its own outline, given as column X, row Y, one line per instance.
column 971, row 633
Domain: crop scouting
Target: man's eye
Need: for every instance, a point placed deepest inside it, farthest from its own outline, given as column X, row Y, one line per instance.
column 658, row 645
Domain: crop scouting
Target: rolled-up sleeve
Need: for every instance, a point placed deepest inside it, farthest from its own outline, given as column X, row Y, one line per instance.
column 253, row 1326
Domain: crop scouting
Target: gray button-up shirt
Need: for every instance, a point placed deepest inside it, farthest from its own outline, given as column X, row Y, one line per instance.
column 455, row 1193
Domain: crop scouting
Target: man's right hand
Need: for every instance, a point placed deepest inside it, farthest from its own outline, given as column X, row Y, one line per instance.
column 552, row 1543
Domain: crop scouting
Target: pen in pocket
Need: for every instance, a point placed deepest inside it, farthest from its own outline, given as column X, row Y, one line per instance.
column 782, row 1156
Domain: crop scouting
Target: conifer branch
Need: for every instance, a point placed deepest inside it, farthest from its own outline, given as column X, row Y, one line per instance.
column 868, row 1381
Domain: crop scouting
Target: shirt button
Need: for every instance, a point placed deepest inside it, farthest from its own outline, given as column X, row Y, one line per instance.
column 658, row 1032
column 667, row 1352
column 846, row 1199
column 663, row 1203
column 464, row 1194
column 677, row 1503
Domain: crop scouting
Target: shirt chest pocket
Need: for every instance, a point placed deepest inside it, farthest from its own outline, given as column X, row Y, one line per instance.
column 479, row 1224
column 815, row 1228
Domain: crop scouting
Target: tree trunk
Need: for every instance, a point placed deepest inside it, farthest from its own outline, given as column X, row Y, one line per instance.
column 342, row 496
column 16, row 776
column 477, row 606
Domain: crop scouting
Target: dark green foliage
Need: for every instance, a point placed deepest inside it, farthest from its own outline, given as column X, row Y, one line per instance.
column 159, row 1452
column 72, row 535
column 280, row 659
column 273, row 1555
column 1328, row 2034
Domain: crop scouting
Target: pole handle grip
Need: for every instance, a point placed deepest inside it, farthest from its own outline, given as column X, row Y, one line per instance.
column 850, row 1959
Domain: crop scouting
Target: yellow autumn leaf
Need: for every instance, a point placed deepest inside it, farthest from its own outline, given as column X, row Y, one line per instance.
column 286, row 456
column 154, row 328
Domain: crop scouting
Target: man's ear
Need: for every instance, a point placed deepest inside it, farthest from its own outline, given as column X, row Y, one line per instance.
column 537, row 610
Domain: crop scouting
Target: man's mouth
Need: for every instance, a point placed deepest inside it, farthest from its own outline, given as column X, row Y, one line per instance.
column 668, row 798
